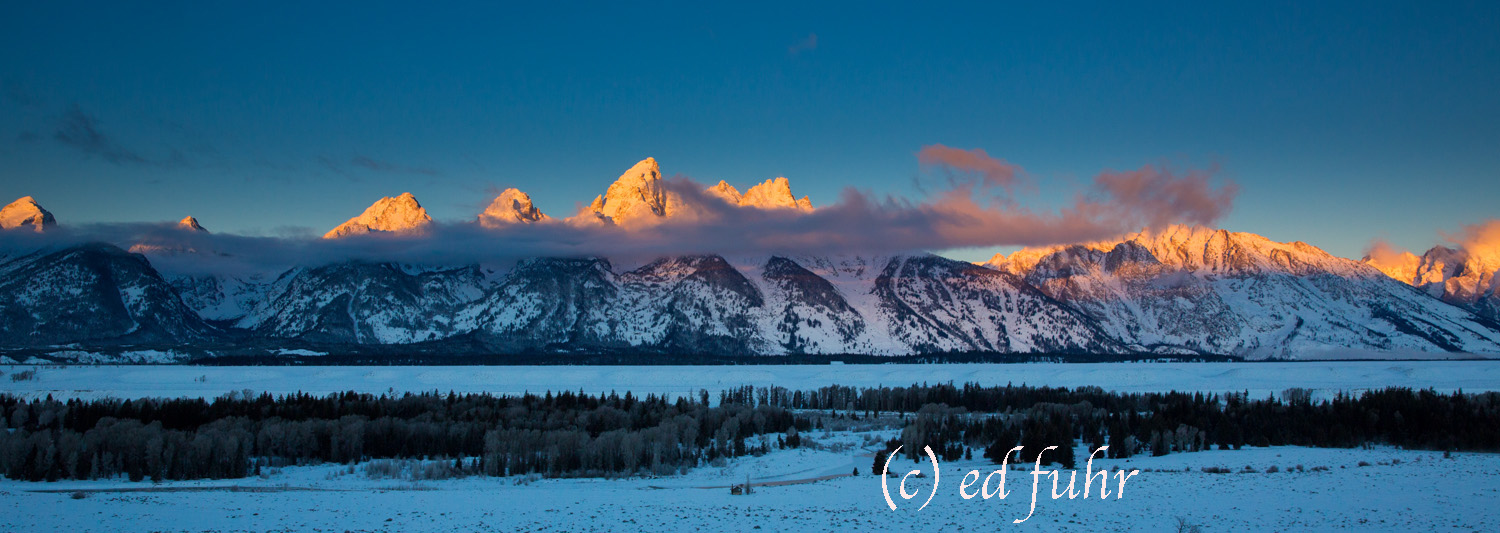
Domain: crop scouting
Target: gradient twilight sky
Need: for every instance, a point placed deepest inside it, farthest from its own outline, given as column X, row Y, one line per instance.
column 1339, row 122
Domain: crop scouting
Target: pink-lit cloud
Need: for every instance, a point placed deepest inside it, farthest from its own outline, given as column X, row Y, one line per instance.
column 975, row 162
column 1382, row 252
column 1165, row 198
column 1482, row 238
column 1393, row 260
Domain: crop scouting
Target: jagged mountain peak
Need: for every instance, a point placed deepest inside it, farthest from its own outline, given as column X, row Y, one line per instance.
column 401, row 214
column 511, row 207
column 637, row 197
column 1467, row 276
column 191, row 224
column 26, row 212
column 774, row 193
column 725, row 191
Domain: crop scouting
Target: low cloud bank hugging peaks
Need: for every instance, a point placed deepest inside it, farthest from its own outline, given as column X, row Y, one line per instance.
column 975, row 203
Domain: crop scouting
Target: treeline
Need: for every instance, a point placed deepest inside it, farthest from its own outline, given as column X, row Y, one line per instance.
column 578, row 434
column 568, row 434
column 999, row 417
column 441, row 353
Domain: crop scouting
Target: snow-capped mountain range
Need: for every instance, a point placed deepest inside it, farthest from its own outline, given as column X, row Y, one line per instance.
column 1177, row 290
column 1195, row 289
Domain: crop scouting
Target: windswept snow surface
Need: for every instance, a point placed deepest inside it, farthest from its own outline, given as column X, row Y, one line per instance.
column 1399, row 491
column 1324, row 378
column 803, row 489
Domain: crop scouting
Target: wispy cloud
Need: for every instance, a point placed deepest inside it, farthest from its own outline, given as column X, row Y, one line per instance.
column 81, row 131
column 1164, row 198
column 1388, row 257
column 1482, row 238
column 805, row 45
column 334, row 166
column 995, row 172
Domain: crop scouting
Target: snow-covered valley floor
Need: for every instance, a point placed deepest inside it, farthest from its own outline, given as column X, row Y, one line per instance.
column 1322, row 377
column 1398, row 491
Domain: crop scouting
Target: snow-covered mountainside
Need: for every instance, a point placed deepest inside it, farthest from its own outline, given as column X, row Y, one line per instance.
column 94, row 292
column 402, row 215
column 1193, row 289
column 776, row 305
column 25, row 213
column 220, row 298
column 364, row 303
column 1467, row 277
column 686, row 305
column 1183, row 290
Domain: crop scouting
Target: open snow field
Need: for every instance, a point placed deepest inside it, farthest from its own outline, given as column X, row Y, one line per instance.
column 1399, row 491
column 1323, row 377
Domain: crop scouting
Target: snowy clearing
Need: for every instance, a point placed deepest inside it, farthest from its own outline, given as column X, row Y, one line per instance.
column 804, row 489
column 1399, row 491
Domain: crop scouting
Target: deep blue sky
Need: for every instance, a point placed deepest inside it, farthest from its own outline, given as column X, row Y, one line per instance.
column 1340, row 123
